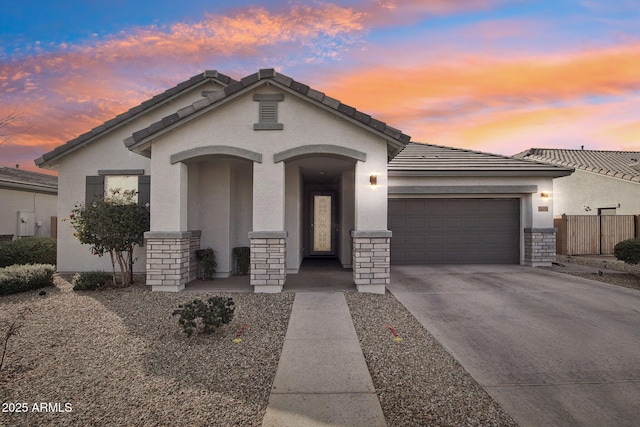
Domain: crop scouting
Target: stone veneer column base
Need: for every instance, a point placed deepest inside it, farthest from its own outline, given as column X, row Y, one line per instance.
column 539, row 246
column 268, row 261
column 193, row 260
column 168, row 259
column 371, row 259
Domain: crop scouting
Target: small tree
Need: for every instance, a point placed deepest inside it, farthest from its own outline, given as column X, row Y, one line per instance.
column 11, row 125
column 113, row 225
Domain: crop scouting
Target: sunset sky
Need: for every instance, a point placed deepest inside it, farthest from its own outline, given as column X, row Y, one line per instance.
column 491, row 75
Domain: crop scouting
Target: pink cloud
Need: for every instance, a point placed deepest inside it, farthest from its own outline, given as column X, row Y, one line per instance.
column 68, row 91
column 392, row 12
column 480, row 100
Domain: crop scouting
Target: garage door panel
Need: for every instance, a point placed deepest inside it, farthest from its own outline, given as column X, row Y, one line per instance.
column 416, row 239
column 434, row 240
column 454, row 224
column 455, row 231
column 398, row 222
column 414, row 206
column 416, row 223
column 433, row 258
column 434, row 223
column 397, row 205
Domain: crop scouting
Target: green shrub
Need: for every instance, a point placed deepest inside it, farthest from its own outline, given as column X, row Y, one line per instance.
column 628, row 251
column 28, row 250
column 205, row 317
column 91, row 281
column 21, row 278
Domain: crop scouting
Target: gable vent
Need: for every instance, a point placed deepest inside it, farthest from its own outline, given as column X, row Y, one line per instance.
column 268, row 111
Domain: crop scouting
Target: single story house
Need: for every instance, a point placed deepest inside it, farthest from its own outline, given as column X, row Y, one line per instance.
column 604, row 182
column 599, row 204
column 269, row 163
column 28, row 203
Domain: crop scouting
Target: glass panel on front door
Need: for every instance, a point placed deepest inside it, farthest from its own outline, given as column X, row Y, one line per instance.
column 322, row 223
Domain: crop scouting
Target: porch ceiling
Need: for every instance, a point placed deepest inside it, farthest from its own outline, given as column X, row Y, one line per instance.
column 322, row 170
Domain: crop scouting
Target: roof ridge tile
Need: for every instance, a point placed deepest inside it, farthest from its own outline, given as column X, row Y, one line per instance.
column 250, row 79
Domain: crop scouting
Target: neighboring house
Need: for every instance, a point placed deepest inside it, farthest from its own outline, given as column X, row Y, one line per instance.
column 272, row 164
column 604, row 184
column 27, row 204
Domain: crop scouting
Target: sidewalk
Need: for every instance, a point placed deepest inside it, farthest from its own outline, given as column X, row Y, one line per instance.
column 322, row 377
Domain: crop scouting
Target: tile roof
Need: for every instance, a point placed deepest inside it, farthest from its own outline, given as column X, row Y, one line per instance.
column 20, row 179
column 436, row 160
column 282, row 81
column 135, row 111
column 619, row 164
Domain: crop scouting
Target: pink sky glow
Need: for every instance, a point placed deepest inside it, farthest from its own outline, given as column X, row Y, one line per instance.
column 497, row 83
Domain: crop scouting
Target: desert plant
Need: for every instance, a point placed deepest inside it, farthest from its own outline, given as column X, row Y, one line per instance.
column 113, row 225
column 28, row 250
column 628, row 251
column 11, row 329
column 207, row 259
column 21, row 278
column 205, row 317
column 91, row 281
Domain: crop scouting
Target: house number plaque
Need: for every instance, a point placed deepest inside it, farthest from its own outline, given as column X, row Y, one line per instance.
column 322, row 223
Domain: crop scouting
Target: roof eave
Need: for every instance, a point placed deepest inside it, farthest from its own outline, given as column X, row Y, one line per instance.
column 396, row 139
column 49, row 160
column 482, row 173
column 23, row 186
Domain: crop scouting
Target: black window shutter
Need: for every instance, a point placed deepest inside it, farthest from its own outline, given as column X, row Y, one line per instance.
column 144, row 190
column 94, row 188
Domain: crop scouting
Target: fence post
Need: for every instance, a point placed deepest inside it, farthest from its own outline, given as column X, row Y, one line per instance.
column 561, row 234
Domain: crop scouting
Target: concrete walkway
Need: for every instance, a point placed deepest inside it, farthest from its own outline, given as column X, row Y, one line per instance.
column 322, row 377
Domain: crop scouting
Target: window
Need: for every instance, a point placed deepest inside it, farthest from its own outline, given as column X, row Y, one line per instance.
column 98, row 186
column 606, row 211
column 268, row 111
column 116, row 185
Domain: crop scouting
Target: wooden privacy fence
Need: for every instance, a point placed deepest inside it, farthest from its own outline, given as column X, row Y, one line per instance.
column 594, row 234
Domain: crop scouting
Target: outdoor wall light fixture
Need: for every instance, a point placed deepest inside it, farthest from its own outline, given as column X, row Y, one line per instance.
column 544, row 195
column 373, row 180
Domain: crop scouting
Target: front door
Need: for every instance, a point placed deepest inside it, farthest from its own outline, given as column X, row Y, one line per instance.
column 323, row 224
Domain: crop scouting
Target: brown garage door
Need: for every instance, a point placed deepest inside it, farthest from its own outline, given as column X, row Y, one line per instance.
column 455, row 231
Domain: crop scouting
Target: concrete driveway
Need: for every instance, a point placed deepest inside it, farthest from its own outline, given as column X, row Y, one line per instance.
column 552, row 349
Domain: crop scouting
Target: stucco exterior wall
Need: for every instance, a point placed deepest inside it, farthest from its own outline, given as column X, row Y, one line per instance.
column 277, row 187
column 219, row 205
column 347, row 220
column 583, row 193
column 109, row 152
column 41, row 204
column 241, row 202
column 232, row 124
column 293, row 218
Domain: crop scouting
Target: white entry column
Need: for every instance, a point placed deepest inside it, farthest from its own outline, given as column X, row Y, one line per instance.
column 371, row 240
column 169, row 244
column 268, row 238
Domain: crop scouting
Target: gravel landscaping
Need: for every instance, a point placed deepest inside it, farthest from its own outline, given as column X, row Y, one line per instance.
column 628, row 278
column 418, row 382
column 119, row 357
